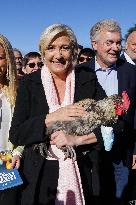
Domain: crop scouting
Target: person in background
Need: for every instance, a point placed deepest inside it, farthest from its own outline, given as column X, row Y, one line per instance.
column 129, row 55
column 18, row 59
column 130, row 46
column 43, row 98
column 32, row 62
column 8, row 81
column 115, row 76
column 85, row 55
column 79, row 48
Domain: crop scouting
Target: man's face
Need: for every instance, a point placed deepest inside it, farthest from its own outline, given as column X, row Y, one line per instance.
column 18, row 59
column 130, row 47
column 107, row 47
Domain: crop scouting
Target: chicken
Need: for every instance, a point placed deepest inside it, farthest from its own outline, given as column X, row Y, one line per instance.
column 102, row 112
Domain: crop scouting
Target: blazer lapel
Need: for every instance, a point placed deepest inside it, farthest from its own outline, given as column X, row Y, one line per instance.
column 38, row 94
column 122, row 75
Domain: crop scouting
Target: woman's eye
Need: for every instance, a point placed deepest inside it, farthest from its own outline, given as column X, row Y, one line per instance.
column 1, row 58
column 50, row 48
column 67, row 47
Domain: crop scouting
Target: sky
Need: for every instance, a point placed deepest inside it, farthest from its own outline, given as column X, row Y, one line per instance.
column 23, row 21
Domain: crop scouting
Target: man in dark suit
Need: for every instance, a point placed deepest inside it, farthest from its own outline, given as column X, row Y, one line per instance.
column 115, row 77
column 129, row 55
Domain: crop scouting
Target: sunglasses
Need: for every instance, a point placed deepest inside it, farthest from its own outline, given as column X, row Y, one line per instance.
column 32, row 65
column 81, row 59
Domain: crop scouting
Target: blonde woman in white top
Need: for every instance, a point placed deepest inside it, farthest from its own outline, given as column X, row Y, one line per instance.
column 7, row 101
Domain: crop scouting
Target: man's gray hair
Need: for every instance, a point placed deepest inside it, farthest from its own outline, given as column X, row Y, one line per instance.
column 130, row 30
column 17, row 50
column 107, row 24
column 51, row 32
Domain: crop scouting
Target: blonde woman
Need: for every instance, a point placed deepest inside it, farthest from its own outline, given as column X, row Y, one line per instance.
column 7, row 102
column 44, row 97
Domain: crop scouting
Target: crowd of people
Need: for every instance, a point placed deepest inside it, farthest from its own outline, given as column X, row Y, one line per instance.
column 41, row 88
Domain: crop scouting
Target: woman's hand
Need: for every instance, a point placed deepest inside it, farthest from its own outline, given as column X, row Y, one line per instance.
column 60, row 139
column 15, row 162
column 67, row 113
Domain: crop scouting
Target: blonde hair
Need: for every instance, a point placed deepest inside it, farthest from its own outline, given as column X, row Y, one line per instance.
column 11, row 78
column 52, row 31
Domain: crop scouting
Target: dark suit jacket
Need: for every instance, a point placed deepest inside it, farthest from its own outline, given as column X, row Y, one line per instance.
column 126, row 75
column 28, row 123
column 134, row 66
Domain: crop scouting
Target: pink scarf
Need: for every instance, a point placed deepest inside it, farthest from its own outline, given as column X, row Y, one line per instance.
column 69, row 190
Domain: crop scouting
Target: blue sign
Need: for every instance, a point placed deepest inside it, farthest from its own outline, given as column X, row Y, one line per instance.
column 9, row 178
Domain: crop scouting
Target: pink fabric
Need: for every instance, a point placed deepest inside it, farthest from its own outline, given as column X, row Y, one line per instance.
column 69, row 188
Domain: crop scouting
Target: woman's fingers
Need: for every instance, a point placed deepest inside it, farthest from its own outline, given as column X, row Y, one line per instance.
column 55, row 134
column 15, row 162
column 71, row 111
column 61, row 139
column 67, row 113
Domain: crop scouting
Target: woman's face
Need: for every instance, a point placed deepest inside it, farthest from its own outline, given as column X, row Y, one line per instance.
column 58, row 55
column 3, row 62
